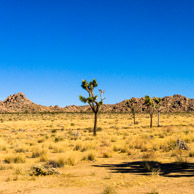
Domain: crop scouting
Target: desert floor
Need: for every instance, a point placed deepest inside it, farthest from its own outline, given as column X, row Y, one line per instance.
column 122, row 158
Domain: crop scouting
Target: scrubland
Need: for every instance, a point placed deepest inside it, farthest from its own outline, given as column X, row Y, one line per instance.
column 122, row 158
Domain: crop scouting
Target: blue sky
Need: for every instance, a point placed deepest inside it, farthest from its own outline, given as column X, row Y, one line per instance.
column 132, row 48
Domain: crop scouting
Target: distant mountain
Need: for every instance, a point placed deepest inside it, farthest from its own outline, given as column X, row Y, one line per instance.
column 19, row 103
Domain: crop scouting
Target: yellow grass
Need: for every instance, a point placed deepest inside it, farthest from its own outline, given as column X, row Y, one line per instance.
column 122, row 158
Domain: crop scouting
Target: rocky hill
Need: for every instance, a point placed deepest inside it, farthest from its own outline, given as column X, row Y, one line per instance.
column 176, row 103
column 19, row 103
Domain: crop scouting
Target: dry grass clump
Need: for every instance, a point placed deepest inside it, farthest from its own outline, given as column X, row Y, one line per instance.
column 109, row 190
column 89, row 157
column 153, row 192
column 71, row 160
column 191, row 154
column 43, row 157
column 149, row 156
column 15, row 159
column 60, row 162
column 5, row 167
column 21, row 150
column 58, row 149
column 107, row 154
column 37, row 152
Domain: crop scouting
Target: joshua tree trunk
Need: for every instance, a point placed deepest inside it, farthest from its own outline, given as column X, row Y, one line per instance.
column 158, row 118
column 151, row 115
column 95, row 123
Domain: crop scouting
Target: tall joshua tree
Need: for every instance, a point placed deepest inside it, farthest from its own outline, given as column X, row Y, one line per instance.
column 133, row 105
column 92, row 100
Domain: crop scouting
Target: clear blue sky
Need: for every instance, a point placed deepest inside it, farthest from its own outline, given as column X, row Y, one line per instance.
column 132, row 48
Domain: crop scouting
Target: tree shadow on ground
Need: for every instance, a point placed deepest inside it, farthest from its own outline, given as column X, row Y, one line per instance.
column 152, row 167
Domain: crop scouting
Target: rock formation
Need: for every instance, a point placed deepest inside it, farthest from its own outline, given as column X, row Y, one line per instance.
column 19, row 103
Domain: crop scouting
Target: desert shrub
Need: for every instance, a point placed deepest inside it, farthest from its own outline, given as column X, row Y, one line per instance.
column 153, row 192
column 99, row 129
column 105, row 143
column 156, row 147
column 116, row 148
column 138, row 144
column 43, row 157
column 180, row 160
column 37, row 152
column 56, row 164
column 89, row 156
column 151, row 166
column 5, row 167
column 57, row 139
column 61, row 162
column 146, row 166
column 19, row 150
column 149, row 156
column 106, row 155
column 113, row 140
column 18, row 171
column 172, row 145
column 58, row 149
column 123, row 149
column 161, row 135
column 109, row 190
column 3, row 148
column 71, row 161
column 54, row 131
column 77, row 147
column 191, row 154
column 144, row 148
column 40, row 141
column 186, row 132
column 84, row 149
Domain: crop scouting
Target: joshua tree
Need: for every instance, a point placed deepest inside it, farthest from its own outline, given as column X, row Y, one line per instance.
column 158, row 107
column 92, row 100
column 133, row 106
column 152, row 105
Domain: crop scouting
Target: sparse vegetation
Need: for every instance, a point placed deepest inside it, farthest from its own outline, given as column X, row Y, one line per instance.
column 121, row 155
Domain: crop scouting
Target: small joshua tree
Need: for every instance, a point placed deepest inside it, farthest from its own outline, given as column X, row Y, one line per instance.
column 150, row 107
column 92, row 100
column 133, row 106
column 158, row 107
